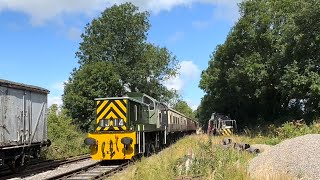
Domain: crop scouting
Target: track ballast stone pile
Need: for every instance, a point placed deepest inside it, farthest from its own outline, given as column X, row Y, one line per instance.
column 298, row 158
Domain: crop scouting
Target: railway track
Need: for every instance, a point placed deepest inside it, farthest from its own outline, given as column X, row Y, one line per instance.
column 94, row 171
column 38, row 167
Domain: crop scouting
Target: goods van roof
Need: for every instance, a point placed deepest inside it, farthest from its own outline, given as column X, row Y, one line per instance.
column 21, row 86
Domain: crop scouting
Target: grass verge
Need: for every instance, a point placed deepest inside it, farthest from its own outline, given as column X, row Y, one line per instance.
column 209, row 161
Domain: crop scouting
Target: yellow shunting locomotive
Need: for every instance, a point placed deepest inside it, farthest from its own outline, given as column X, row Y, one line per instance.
column 134, row 125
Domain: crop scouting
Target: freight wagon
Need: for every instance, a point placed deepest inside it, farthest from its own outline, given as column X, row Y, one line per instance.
column 23, row 123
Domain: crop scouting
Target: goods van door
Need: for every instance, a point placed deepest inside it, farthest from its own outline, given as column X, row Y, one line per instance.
column 38, row 120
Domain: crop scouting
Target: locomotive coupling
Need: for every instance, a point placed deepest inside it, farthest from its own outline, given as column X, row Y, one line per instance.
column 90, row 141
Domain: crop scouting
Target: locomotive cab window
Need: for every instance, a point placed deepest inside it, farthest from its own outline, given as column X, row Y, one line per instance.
column 136, row 112
column 149, row 102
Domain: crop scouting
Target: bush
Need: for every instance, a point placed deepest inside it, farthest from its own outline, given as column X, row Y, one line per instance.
column 273, row 134
column 66, row 138
column 291, row 130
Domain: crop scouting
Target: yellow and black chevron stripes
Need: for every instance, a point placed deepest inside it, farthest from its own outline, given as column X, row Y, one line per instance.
column 111, row 110
column 226, row 132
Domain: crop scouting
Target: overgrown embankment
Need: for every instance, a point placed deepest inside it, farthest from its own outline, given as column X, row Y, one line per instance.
column 273, row 135
column 66, row 138
column 209, row 159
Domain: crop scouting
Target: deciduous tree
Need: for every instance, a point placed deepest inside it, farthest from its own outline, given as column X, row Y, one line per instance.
column 114, row 58
column 184, row 108
column 268, row 66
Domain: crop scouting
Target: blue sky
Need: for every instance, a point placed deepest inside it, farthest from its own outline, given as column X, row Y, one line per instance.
column 39, row 38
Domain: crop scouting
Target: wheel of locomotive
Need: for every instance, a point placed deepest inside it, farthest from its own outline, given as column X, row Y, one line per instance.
column 150, row 149
column 17, row 165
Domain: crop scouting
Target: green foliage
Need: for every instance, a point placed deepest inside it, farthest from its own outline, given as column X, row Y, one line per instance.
column 91, row 81
column 66, row 138
column 213, row 162
column 115, row 58
column 272, row 134
column 184, row 108
column 289, row 130
column 268, row 66
column 210, row 161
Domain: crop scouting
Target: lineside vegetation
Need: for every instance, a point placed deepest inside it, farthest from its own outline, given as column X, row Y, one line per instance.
column 67, row 138
column 210, row 160
column 268, row 69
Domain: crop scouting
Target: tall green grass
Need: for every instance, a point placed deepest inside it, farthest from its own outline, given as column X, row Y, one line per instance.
column 272, row 135
column 66, row 138
column 210, row 161
column 289, row 130
column 214, row 162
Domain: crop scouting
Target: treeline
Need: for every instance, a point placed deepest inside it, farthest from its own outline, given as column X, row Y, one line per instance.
column 268, row 69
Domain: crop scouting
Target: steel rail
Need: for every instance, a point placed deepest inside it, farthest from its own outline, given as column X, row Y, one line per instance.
column 93, row 171
column 38, row 167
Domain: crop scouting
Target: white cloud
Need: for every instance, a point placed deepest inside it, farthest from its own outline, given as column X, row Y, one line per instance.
column 41, row 11
column 54, row 100
column 187, row 73
column 189, row 70
column 59, row 86
column 175, row 83
column 193, row 105
column 56, row 91
column 224, row 10
column 227, row 11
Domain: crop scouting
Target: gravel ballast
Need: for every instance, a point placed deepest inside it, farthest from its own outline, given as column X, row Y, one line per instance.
column 297, row 158
column 61, row 169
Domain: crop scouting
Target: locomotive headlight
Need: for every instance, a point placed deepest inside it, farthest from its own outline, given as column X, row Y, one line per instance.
column 121, row 122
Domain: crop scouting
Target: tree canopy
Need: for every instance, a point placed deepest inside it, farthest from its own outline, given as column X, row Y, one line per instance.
column 115, row 58
column 184, row 108
column 268, row 67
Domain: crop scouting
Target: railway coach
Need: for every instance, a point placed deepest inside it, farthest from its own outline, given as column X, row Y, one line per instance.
column 23, row 123
column 136, row 124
